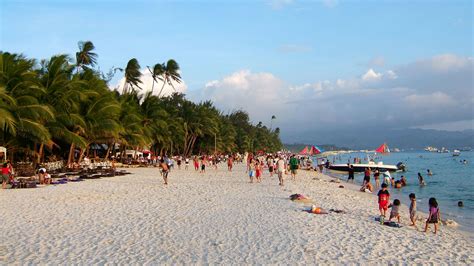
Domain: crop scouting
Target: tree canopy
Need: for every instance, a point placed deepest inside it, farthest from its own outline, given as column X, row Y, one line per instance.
column 63, row 107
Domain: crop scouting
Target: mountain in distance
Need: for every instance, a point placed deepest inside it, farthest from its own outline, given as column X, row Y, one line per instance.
column 399, row 138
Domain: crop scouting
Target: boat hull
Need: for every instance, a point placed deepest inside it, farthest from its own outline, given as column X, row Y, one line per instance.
column 359, row 168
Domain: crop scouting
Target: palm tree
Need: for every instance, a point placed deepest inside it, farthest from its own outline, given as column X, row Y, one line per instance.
column 132, row 75
column 271, row 122
column 156, row 74
column 169, row 73
column 85, row 56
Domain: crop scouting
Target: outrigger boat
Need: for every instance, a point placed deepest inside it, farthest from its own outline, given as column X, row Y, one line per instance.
column 360, row 167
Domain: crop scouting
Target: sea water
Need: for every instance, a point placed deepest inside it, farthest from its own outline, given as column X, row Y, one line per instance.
column 452, row 181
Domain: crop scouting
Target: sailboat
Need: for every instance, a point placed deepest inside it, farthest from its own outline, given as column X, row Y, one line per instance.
column 383, row 148
column 310, row 151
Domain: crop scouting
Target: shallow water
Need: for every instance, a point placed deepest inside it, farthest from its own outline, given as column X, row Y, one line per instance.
column 452, row 181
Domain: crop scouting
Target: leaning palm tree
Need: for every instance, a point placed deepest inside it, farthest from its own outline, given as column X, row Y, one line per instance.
column 170, row 73
column 156, row 74
column 132, row 75
column 85, row 56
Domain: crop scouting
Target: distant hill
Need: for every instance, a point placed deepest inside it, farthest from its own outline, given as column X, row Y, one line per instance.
column 403, row 139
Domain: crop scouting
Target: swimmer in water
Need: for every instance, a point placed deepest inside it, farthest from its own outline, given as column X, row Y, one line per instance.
column 421, row 180
column 429, row 172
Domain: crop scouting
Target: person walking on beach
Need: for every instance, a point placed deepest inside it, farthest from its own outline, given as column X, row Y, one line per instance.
column 366, row 176
column 434, row 215
column 270, row 165
column 230, row 163
column 412, row 209
column 5, row 175
column 293, row 166
column 377, row 178
column 351, row 174
column 281, row 169
column 164, row 170
column 196, row 163
column 203, row 164
column 383, row 199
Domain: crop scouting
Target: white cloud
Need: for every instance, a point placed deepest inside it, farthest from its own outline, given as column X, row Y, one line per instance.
column 434, row 100
column 391, row 74
column 403, row 97
column 371, row 75
column 147, row 83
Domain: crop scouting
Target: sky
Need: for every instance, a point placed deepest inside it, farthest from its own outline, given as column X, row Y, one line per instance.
column 313, row 64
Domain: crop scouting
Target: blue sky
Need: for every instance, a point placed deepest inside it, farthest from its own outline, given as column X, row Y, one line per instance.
column 297, row 42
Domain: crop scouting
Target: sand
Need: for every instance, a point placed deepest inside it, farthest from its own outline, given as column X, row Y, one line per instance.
column 212, row 218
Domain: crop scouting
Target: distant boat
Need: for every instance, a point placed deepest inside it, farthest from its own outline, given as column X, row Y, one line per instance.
column 396, row 150
column 431, row 149
column 456, row 153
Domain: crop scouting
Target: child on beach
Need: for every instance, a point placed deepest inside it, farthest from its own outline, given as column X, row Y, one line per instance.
column 203, row 164
column 258, row 171
column 384, row 199
column 251, row 168
column 395, row 212
column 186, row 163
column 434, row 215
column 412, row 209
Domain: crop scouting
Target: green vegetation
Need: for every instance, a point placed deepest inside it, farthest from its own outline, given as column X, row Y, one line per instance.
column 62, row 107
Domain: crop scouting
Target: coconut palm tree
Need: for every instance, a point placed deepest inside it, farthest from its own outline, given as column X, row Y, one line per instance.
column 169, row 73
column 156, row 74
column 132, row 75
column 85, row 57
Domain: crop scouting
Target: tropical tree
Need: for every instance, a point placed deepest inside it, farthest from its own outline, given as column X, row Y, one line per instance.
column 169, row 73
column 132, row 76
column 85, row 57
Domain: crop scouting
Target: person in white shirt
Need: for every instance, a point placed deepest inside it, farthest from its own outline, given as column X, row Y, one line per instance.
column 281, row 166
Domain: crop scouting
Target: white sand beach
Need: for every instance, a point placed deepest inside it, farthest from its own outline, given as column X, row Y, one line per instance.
column 212, row 218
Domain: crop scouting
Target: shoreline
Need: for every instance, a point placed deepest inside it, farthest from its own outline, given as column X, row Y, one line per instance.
column 458, row 225
column 216, row 217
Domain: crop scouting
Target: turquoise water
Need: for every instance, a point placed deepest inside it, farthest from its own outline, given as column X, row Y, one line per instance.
column 452, row 181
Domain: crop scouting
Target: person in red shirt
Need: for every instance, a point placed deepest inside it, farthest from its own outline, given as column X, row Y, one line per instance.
column 5, row 175
column 384, row 199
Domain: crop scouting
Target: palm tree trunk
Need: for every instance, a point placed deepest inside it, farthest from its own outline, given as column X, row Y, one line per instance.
column 71, row 155
column 40, row 153
column 81, row 156
column 164, row 83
